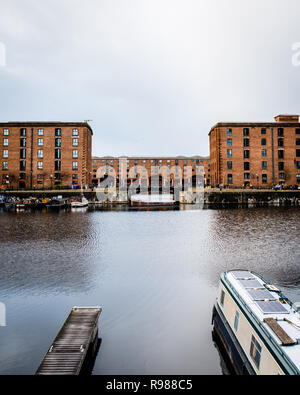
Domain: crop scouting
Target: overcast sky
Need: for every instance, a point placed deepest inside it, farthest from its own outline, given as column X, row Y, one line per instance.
column 152, row 75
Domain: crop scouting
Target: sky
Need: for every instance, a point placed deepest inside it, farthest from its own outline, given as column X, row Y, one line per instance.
column 151, row 76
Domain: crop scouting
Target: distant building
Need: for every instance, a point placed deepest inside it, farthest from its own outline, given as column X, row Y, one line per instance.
column 44, row 154
column 260, row 154
column 144, row 167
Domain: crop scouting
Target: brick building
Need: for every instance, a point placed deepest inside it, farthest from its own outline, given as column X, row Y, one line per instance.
column 44, row 154
column 162, row 166
column 260, row 154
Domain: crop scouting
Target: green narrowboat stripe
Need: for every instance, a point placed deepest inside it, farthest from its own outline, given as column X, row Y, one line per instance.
column 271, row 347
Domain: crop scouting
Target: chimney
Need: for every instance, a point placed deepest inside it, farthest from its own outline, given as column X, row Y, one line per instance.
column 287, row 118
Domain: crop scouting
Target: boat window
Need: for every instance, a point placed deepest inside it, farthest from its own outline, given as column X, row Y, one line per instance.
column 236, row 320
column 255, row 351
column 222, row 298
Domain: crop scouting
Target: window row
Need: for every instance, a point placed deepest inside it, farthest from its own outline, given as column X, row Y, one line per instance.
column 246, row 131
column 263, row 153
column 40, row 165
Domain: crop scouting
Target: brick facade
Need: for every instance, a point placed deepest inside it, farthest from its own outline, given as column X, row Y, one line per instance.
column 257, row 154
column 147, row 165
column 42, row 155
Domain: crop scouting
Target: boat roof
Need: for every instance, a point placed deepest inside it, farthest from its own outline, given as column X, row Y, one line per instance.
column 275, row 313
column 165, row 198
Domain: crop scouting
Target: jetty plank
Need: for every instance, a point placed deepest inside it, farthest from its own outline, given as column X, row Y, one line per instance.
column 69, row 350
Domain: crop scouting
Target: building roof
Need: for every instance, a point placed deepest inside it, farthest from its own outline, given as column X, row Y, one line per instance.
column 254, row 124
column 150, row 157
column 44, row 123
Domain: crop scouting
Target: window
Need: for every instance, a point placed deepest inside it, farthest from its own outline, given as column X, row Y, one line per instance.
column 40, row 142
column 23, row 132
column 5, row 153
column 229, row 165
column 5, row 142
column 23, row 153
column 229, row 131
column 57, row 142
column 5, row 132
column 75, row 132
column 75, row 142
column 280, row 132
column 4, row 165
column 280, row 154
column 236, row 320
column 57, row 153
column 263, row 153
column 57, row 165
column 280, row 165
column 297, row 131
column 297, row 152
column 281, row 176
column 246, row 132
column 57, row 132
column 229, row 142
column 75, row 165
column 264, row 165
column 246, row 142
column 41, row 132
column 246, row 154
column 263, row 131
column 255, row 351
column 229, row 153
column 297, row 141
column 246, row 165
column 222, row 298
column 264, row 179
column 40, row 153
column 40, row 165
column 22, row 165
column 298, row 164
column 263, row 141
column 22, row 142
column 75, row 153
column 246, row 176
column 229, row 178
column 280, row 142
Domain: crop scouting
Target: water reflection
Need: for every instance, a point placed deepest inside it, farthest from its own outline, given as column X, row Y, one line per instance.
column 154, row 273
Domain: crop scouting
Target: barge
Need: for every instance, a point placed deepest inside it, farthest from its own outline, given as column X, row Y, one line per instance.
column 257, row 325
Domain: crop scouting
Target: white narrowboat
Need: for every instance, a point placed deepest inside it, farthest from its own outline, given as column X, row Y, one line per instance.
column 258, row 326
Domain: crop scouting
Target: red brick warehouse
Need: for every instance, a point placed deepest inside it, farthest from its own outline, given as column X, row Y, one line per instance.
column 260, row 154
column 44, row 154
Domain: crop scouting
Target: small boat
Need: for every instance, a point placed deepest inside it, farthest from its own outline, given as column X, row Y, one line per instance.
column 2, row 201
column 58, row 203
column 152, row 200
column 20, row 205
column 78, row 204
column 258, row 327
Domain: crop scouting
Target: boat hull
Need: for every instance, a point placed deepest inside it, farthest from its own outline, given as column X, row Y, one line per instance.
column 232, row 348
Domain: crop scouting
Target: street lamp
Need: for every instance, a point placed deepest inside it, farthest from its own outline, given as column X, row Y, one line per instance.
column 51, row 178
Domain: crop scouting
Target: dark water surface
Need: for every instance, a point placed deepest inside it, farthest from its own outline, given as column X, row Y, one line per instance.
column 154, row 273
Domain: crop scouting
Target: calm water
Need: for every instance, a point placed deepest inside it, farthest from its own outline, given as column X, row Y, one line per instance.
column 154, row 273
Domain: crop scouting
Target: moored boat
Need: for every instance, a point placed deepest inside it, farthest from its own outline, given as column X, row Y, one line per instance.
column 80, row 203
column 152, row 200
column 58, row 203
column 258, row 326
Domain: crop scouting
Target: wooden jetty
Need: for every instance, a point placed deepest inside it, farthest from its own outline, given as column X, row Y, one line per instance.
column 74, row 343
